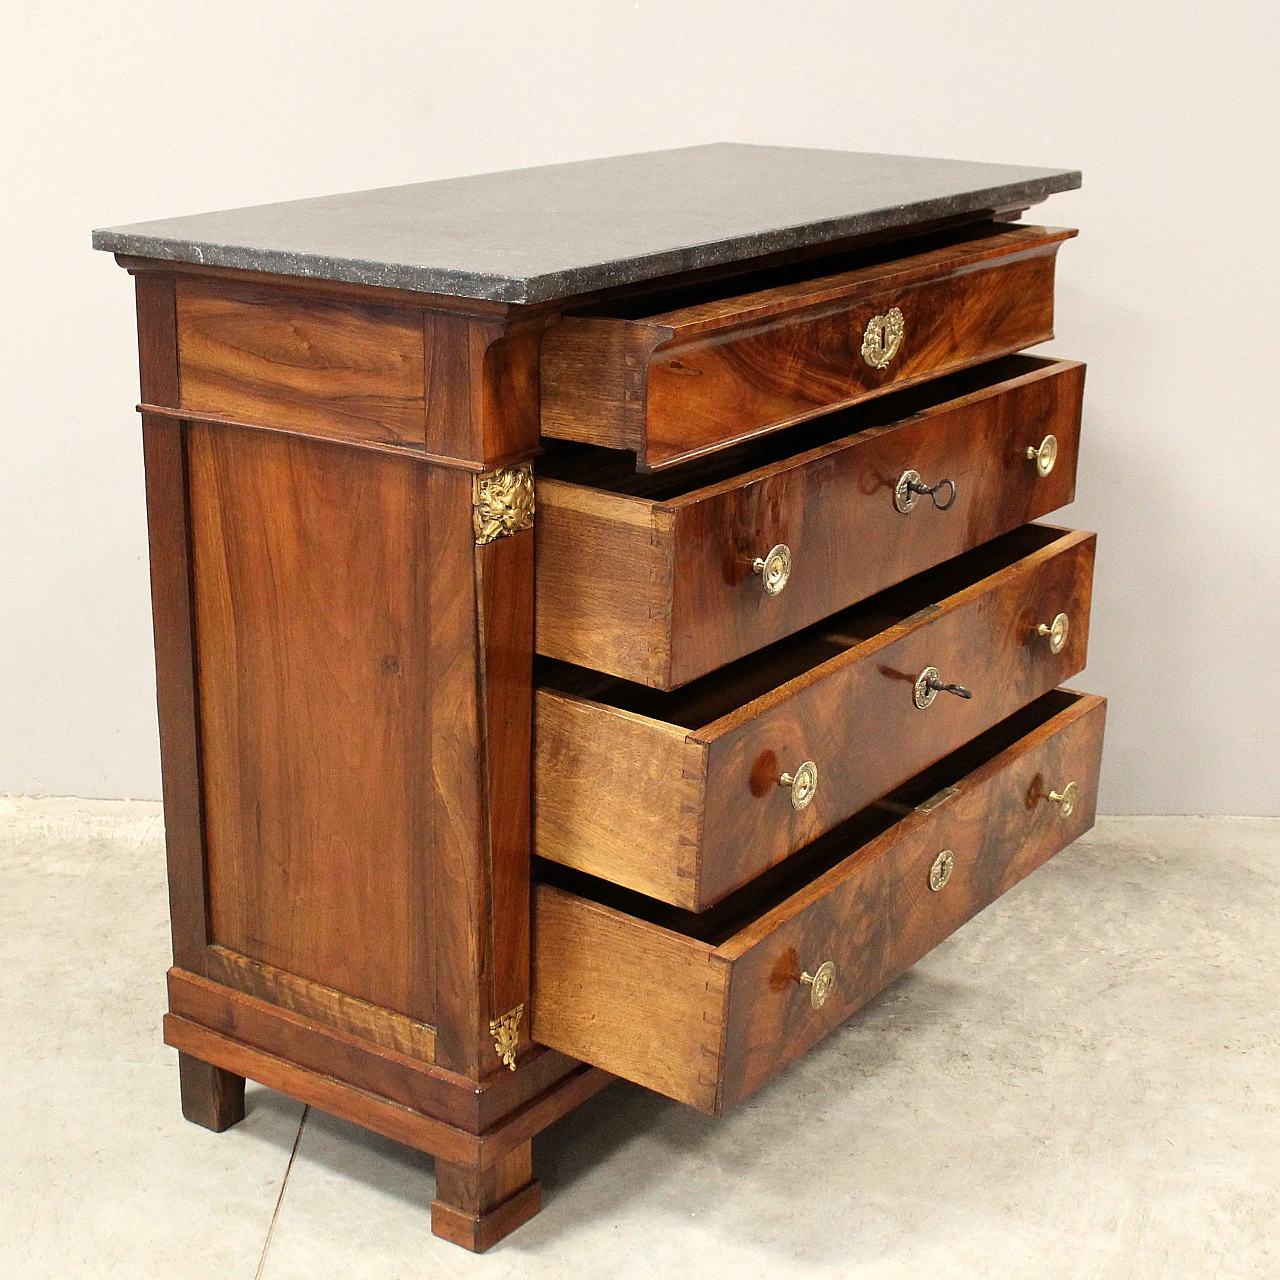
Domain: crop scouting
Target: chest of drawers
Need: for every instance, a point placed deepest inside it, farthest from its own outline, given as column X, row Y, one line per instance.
column 599, row 627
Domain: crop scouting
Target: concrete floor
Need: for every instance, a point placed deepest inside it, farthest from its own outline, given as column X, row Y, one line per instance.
column 1084, row 1082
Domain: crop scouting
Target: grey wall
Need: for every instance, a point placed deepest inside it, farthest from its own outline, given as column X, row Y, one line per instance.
column 129, row 110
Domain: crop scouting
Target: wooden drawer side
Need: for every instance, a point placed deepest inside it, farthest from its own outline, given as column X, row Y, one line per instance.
column 603, row 595
column 617, row 795
column 603, row 981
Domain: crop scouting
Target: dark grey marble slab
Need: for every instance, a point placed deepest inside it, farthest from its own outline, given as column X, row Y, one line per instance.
column 529, row 235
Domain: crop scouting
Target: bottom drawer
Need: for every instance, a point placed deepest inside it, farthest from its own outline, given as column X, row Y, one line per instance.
column 706, row 1007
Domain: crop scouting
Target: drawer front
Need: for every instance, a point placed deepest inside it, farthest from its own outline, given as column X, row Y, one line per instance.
column 860, row 724
column 664, row 592
column 678, row 384
column 708, row 1024
column 689, row 815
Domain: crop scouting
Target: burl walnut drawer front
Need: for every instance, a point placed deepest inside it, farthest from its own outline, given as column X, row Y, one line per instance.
column 660, row 578
column 674, row 376
column 707, row 1008
column 686, row 796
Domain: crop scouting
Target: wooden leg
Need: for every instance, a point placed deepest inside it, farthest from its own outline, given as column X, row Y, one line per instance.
column 476, row 1208
column 210, row 1096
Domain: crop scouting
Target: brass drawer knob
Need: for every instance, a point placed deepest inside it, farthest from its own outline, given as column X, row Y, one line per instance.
column 882, row 337
column 1066, row 799
column 803, row 784
column 929, row 684
column 1056, row 631
column 906, row 493
column 940, row 872
column 819, row 983
column 775, row 568
column 1046, row 455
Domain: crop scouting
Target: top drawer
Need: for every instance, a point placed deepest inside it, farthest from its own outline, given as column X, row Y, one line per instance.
column 674, row 376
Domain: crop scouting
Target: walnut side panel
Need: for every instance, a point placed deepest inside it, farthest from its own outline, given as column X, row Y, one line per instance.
column 310, row 570
column 342, row 369
column 588, row 1005
column 617, row 795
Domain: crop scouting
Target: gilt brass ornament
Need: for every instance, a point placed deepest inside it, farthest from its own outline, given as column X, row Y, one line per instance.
column 506, row 1034
column 882, row 338
column 502, row 502
column 940, row 872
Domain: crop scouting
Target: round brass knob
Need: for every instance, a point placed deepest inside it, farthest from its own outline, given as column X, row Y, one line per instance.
column 906, row 493
column 803, row 784
column 1056, row 631
column 1066, row 799
column 929, row 684
column 775, row 568
column 940, row 872
column 1046, row 455
column 820, row 983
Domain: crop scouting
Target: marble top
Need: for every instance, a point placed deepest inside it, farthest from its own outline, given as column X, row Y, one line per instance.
column 530, row 235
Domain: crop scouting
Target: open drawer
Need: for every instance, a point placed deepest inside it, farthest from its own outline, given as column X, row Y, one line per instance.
column 706, row 1008
column 671, row 376
column 685, row 796
column 660, row 578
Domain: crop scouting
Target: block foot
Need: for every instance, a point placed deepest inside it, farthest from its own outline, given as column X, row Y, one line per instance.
column 475, row 1208
column 210, row 1096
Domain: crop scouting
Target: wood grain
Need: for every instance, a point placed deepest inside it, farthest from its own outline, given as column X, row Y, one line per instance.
column 322, row 1004
column 876, row 916
column 657, row 586
column 356, row 1060
column 635, row 989
column 211, row 1097
column 504, row 574
column 729, row 368
column 617, row 795
column 608, row 801
column 604, row 983
column 173, row 619
column 475, row 1208
column 604, row 581
column 340, row 369
column 310, row 577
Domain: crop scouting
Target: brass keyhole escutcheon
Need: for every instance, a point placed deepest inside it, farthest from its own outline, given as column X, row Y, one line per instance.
column 1057, row 632
column 929, row 684
column 1046, row 455
column 882, row 337
column 775, row 568
column 943, row 865
column 1066, row 799
column 819, row 983
column 803, row 784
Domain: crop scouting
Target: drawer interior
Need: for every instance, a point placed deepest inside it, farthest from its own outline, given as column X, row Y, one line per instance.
column 728, row 917
column 703, row 701
column 614, row 470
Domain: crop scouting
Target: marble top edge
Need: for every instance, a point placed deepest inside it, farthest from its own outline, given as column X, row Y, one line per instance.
column 526, row 236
